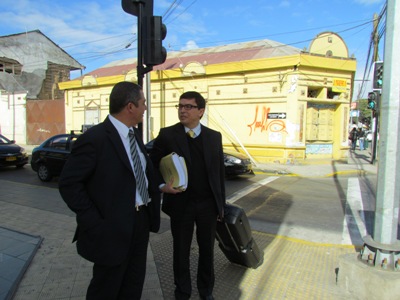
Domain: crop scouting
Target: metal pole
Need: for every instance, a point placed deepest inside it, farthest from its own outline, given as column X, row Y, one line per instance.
column 383, row 249
column 388, row 192
column 148, row 112
column 374, row 114
column 139, row 66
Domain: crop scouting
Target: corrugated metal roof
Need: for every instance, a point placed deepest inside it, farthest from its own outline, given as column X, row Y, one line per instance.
column 10, row 84
column 33, row 50
column 211, row 55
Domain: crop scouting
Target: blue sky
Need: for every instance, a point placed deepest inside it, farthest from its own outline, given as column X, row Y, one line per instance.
column 97, row 32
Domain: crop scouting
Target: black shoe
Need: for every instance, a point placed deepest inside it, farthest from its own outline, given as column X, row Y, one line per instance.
column 209, row 297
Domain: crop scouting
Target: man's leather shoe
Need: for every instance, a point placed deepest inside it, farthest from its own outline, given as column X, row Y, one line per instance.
column 209, row 297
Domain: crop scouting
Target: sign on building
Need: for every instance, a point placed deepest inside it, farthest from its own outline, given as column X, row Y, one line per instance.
column 339, row 85
column 276, row 115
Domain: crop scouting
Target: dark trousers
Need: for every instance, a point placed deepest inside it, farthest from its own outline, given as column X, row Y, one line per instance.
column 203, row 214
column 124, row 281
column 353, row 144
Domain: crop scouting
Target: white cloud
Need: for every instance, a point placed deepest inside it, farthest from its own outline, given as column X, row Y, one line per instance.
column 368, row 2
column 90, row 33
column 190, row 45
column 284, row 3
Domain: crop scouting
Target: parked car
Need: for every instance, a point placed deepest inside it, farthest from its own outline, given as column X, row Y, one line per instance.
column 11, row 154
column 236, row 164
column 49, row 158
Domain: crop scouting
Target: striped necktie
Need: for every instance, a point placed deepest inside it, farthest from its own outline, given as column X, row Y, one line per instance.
column 191, row 133
column 137, row 165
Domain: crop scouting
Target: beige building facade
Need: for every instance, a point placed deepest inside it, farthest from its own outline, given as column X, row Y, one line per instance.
column 285, row 106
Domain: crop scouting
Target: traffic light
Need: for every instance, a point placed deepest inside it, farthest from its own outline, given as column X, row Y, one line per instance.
column 373, row 98
column 155, row 33
column 378, row 76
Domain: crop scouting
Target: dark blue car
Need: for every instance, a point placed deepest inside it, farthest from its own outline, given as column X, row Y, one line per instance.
column 11, row 154
column 49, row 158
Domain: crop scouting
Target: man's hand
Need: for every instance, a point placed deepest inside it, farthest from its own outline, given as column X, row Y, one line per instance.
column 169, row 189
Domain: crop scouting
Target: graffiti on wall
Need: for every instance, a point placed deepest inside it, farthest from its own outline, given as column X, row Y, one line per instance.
column 262, row 123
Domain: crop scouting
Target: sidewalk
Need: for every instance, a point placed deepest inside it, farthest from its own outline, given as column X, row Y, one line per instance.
column 36, row 246
column 358, row 163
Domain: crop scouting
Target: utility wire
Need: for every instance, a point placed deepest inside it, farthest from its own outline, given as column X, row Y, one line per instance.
column 369, row 63
column 173, row 7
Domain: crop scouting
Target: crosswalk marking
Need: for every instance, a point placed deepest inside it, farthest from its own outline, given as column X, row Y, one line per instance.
column 354, row 220
column 243, row 192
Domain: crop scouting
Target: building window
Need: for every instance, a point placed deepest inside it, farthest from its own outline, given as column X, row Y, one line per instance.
column 314, row 92
column 218, row 92
column 245, row 91
column 333, row 95
column 274, row 89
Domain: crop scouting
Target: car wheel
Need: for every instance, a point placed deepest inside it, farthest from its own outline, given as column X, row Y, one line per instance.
column 44, row 173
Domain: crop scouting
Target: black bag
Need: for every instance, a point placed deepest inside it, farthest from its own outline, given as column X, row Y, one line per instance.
column 235, row 238
column 235, row 229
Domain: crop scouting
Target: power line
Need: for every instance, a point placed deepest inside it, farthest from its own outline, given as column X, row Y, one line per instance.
column 173, row 7
column 369, row 63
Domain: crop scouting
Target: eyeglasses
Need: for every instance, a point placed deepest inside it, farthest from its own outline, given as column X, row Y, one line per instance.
column 186, row 106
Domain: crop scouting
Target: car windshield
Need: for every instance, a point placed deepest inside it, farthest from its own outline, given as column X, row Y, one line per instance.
column 59, row 143
column 4, row 140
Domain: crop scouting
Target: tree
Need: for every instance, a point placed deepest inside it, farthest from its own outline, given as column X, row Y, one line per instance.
column 365, row 113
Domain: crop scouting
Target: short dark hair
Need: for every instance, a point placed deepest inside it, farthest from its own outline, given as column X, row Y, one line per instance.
column 200, row 101
column 123, row 93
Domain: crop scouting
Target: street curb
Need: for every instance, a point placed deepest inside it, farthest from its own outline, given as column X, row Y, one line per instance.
column 334, row 174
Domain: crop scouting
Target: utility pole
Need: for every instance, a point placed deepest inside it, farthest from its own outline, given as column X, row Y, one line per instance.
column 383, row 250
column 376, row 37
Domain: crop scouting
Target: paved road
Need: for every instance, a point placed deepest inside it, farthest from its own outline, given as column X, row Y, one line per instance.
column 302, row 225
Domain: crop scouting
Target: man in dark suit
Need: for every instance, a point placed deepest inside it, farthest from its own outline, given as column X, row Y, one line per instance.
column 203, row 200
column 100, row 184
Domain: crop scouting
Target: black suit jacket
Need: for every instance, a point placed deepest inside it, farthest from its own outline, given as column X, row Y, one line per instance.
column 98, row 184
column 174, row 139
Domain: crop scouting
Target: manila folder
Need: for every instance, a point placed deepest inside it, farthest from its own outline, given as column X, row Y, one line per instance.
column 174, row 166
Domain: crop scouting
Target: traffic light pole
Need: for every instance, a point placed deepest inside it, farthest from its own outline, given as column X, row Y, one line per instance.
column 143, row 9
column 374, row 272
column 141, row 69
column 383, row 249
column 375, row 114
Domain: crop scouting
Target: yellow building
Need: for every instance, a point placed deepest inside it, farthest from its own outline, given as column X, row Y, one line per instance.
column 272, row 101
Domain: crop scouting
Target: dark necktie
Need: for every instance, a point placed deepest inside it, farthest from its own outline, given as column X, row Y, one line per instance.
column 137, row 165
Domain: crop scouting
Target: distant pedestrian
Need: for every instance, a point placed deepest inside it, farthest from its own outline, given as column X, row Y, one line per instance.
column 353, row 138
column 361, row 138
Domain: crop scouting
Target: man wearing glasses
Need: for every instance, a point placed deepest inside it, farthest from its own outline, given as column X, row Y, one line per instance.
column 203, row 200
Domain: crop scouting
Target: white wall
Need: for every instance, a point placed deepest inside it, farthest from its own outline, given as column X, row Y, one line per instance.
column 13, row 116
